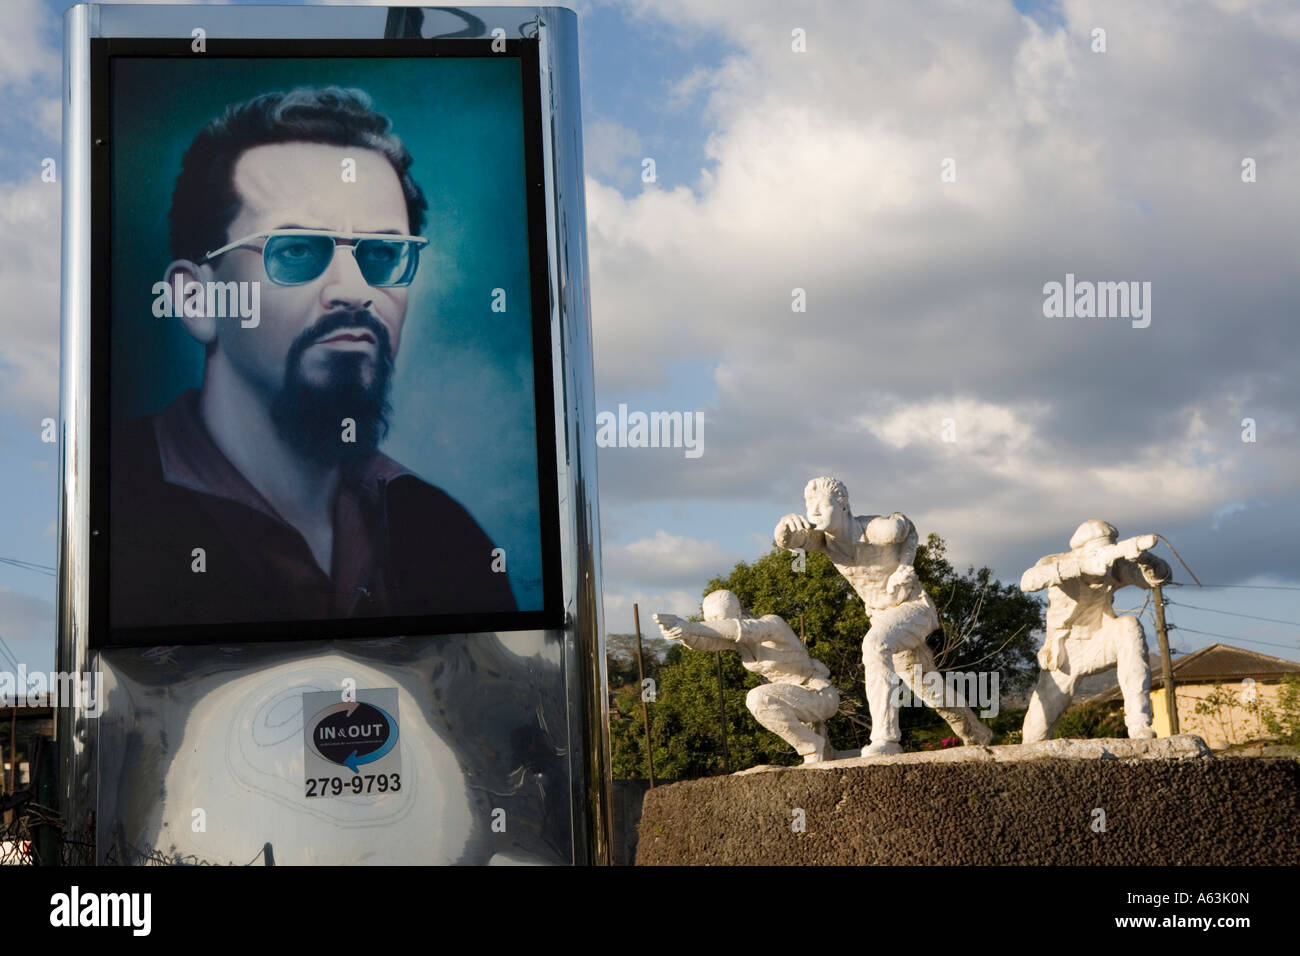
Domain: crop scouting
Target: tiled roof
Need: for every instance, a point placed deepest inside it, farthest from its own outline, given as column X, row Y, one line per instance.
column 1218, row 662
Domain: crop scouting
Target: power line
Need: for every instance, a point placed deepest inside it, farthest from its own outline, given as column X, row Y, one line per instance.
column 33, row 564
column 30, row 566
column 1170, row 545
column 1229, row 637
column 1253, row 617
column 1255, row 587
column 9, row 654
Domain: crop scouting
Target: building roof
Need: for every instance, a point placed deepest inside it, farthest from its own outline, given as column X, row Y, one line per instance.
column 1216, row 663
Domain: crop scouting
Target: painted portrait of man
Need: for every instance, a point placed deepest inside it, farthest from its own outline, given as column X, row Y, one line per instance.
column 297, row 237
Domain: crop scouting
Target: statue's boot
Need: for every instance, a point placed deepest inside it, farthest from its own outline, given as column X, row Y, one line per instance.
column 972, row 731
column 882, row 748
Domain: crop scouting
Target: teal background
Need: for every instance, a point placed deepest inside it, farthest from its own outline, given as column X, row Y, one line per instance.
column 464, row 413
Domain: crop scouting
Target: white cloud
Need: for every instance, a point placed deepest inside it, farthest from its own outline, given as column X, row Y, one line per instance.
column 25, row 56
column 29, row 289
column 977, row 427
column 611, row 151
column 667, row 559
column 924, row 298
column 619, row 618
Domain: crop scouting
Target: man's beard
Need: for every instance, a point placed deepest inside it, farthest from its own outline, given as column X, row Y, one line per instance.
column 309, row 417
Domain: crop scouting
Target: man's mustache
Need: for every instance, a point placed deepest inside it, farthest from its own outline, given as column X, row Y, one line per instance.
column 333, row 322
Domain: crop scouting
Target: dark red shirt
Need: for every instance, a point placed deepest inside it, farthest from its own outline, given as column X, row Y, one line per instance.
column 401, row 546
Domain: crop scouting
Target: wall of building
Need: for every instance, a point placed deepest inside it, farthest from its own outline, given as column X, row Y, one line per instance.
column 1227, row 726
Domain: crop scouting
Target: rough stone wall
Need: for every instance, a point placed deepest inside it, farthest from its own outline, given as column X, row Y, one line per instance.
column 1215, row 811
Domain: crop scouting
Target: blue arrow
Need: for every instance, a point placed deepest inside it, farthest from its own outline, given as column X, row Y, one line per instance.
column 353, row 761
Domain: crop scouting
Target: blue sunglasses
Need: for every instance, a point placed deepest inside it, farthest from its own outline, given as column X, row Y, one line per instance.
column 298, row 256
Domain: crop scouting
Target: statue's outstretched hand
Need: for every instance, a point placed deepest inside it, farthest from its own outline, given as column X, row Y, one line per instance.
column 1095, row 563
column 792, row 531
column 1154, row 570
column 671, row 626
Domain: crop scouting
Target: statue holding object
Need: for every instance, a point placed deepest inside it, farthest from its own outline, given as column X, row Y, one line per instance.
column 1084, row 634
column 875, row 555
column 798, row 698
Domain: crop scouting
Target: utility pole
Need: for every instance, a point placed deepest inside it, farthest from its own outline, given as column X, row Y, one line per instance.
column 1166, row 662
column 722, row 718
column 645, row 711
column 13, row 759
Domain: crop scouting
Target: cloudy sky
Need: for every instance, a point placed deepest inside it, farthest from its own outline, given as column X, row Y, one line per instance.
column 923, row 371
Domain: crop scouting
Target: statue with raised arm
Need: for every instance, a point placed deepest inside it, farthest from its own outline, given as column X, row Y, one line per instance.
column 798, row 698
column 875, row 555
column 1084, row 635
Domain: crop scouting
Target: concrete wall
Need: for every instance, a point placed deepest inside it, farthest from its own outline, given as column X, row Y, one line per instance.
column 1206, row 811
column 1230, row 725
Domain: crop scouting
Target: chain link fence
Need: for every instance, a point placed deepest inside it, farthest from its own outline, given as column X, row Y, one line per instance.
column 35, row 835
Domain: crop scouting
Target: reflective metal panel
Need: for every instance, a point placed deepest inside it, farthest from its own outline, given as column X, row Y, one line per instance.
column 198, row 753
column 210, row 746
column 74, row 731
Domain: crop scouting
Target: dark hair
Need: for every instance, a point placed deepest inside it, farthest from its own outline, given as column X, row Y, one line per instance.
column 204, row 201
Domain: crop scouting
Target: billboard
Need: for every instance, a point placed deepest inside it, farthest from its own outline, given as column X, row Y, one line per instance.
column 328, row 521
column 325, row 396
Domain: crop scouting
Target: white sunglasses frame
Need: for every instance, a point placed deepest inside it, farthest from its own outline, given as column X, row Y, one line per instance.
column 247, row 242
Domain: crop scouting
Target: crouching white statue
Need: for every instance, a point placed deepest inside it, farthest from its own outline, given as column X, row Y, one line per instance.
column 798, row 698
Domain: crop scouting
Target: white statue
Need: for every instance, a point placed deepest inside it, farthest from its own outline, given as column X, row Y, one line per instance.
column 1084, row 635
column 875, row 555
column 799, row 698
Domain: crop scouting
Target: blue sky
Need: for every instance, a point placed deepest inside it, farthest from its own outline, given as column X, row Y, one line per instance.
column 777, row 170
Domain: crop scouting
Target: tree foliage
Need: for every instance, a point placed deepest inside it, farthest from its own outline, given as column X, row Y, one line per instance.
column 1091, row 720
column 1282, row 719
column 620, row 657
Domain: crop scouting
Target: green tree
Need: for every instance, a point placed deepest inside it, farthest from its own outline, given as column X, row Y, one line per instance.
column 684, row 721
column 1221, row 707
column 1093, row 719
column 627, row 740
column 985, row 626
column 620, row 657
column 1282, row 718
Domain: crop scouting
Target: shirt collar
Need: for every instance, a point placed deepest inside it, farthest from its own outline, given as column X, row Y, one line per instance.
column 191, row 459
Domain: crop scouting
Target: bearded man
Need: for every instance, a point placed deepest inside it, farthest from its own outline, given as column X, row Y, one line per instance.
column 262, row 495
